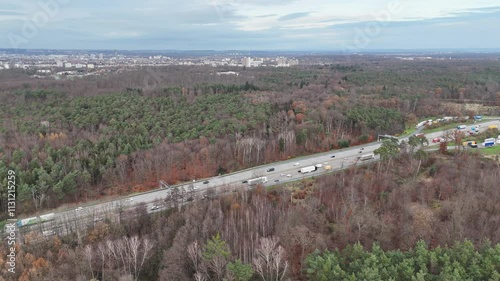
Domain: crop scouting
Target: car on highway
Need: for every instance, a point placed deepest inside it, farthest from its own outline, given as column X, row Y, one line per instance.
column 244, row 181
column 155, row 207
column 205, row 182
column 289, row 175
column 436, row 140
column 282, row 175
column 270, row 169
column 277, row 180
column 79, row 209
column 130, row 199
column 333, row 156
column 362, row 148
column 296, row 164
column 196, row 187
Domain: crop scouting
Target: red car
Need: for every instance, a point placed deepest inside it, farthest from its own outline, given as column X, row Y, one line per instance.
column 437, row 140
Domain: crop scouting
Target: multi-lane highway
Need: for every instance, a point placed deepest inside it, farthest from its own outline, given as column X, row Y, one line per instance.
column 283, row 171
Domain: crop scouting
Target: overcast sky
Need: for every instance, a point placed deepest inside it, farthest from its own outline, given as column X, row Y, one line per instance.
column 250, row 24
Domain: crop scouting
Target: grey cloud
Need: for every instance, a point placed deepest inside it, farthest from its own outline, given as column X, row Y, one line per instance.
column 294, row 16
column 10, row 13
column 267, row 16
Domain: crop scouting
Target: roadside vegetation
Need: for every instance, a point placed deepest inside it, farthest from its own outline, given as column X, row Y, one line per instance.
column 426, row 216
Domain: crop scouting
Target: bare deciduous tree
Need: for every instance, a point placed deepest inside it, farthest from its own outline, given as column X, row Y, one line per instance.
column 269, row 260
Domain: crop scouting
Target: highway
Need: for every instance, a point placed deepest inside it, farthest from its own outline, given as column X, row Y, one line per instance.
column 285, row 171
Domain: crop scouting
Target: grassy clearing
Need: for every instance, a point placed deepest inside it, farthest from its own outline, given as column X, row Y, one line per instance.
column 495, row 150
column 453, row 125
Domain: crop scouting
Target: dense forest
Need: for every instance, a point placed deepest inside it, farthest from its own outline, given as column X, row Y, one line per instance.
column 413, row 216
column 417, row 217
column 81, row 139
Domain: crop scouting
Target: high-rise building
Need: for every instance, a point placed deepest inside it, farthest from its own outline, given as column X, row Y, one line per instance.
column 247, row 62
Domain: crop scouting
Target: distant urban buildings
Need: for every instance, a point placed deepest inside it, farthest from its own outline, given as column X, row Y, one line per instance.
column 249, row 62
column 69, row 64
column 285, row 62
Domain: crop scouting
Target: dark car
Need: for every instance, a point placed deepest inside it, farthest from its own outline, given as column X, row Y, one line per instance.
column 270, row 169
column 362, row 148
column 276, row 180
column 205, row 182
column 244, row 182
column 333, row 156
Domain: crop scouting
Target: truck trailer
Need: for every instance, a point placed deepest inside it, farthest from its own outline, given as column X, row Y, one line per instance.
column 257, row 181
column 308, row 169
column 35, row 220
column 366, row 157
column 489, row 142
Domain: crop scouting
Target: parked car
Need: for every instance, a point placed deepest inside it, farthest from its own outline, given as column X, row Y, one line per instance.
column 205, row 182
column 270, row 169
column 436, row 140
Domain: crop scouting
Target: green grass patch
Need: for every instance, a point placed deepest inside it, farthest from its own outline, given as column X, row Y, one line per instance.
column 449, row 126
column 495, row 150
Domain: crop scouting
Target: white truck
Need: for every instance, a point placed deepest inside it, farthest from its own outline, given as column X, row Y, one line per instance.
column 366, row 157
column 257, row 181
column 35, row 220
column 308, row 169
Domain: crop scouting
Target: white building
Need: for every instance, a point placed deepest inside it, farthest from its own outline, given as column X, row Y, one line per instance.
column 293, row 62
column 228, row 73
column 281, row 61
column 59, row 63
column 6, row 66
column 68, row 65
column 90, row 66
column 256, row 63
column 79, row 65
column 247, row 62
